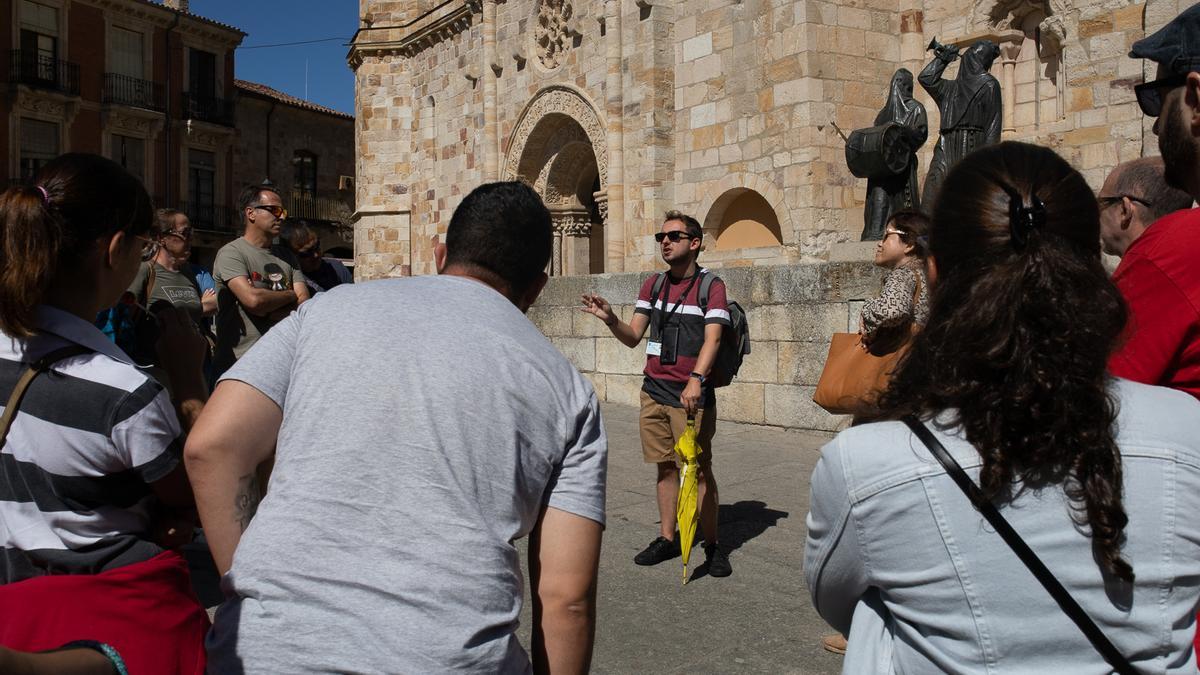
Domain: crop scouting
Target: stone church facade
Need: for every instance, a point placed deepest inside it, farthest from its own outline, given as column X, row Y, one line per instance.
column 617, row 110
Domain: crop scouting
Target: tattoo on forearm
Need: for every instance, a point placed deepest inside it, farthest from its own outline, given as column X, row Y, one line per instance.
column 245, row 502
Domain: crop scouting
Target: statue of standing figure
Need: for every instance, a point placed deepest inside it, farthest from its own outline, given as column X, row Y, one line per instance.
column 970, row 107
column 888, row 193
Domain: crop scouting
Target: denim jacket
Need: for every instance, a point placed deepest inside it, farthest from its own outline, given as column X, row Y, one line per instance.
column 899, row 560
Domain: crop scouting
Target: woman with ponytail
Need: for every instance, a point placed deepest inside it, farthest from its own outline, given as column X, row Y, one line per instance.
column 93, row 494
column 1100, row 477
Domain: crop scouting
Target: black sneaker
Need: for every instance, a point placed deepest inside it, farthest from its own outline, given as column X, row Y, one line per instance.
column 659, row 550
column 718, row 561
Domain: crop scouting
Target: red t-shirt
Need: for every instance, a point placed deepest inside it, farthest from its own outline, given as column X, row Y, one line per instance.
column 1160, row 279
column 665, row 382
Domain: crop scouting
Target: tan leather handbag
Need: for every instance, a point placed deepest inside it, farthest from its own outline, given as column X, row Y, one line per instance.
column 853, row 377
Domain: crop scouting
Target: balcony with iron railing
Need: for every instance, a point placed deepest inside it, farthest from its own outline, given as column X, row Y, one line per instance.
column 132, row 91
column 43, row 72
column 335, row 207
column 207, row 109
column 211, row 217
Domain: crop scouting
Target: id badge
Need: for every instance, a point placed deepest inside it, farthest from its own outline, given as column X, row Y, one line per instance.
column 670, row 344
column 653, row 348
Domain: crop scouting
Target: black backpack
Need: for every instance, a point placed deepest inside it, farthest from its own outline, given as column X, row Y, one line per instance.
column 735, row 338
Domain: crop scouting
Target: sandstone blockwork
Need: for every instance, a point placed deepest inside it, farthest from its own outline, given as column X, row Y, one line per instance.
column 617, row 110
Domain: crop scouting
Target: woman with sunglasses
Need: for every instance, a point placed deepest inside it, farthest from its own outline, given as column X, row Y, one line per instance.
column 167, row 276
column 904, row 301
column 1006, row 390
column 92, row 485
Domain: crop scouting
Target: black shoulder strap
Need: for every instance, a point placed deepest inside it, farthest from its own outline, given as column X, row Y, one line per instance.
column 1068, row 605
column 706, row 282
column 654, row 313
column 40, row 366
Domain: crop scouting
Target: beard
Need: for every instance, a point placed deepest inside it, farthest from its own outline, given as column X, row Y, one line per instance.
column 1178, row 150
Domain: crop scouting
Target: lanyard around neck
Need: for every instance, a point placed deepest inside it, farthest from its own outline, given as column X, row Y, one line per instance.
column 666, row 293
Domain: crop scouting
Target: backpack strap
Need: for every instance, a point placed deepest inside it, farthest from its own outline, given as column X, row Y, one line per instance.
column 148, row 287
column 706, row 282
column 40, row 366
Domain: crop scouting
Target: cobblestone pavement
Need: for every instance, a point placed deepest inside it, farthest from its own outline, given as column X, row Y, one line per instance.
column 760, row 620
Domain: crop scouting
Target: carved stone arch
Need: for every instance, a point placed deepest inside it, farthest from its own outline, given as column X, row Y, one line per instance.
column 558, row 146
column 718, row 195
column 571, row 172
column 550, row 105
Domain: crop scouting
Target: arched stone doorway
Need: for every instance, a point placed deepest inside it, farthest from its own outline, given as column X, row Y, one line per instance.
column 558, row 147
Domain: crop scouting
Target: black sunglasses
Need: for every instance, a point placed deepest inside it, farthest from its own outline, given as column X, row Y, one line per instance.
column 310, row 252
column 1149, row 94
column 674, row 236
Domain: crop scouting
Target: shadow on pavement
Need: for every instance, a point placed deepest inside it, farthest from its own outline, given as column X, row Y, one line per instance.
column 739, row 523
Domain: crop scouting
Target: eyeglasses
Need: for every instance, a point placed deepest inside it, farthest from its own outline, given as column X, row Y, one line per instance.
column 674, row 236
column 889, row 232
column 184, row 234
column 310, row 252
column 1150, row 94
column 274, row 209
column 1105, row 202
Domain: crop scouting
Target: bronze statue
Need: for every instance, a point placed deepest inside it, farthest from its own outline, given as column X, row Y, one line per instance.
column 902, row 128
column 970, row 107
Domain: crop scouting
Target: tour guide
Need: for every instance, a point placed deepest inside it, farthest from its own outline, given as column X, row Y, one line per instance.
column 681, row 350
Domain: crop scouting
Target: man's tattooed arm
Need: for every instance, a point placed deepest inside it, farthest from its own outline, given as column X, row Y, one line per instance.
column 245, row 502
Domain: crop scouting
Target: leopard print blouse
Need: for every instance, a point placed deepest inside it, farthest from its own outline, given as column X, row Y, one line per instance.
column 894, row 306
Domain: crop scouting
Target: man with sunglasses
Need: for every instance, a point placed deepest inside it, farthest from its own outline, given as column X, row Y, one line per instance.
column 255, row 288
column 685, row 334
column 1160, row 272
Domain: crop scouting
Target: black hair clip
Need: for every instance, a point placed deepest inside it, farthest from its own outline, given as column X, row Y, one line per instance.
column 1024, row 219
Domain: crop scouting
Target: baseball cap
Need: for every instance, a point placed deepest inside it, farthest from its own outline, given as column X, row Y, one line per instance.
column 1176, row 45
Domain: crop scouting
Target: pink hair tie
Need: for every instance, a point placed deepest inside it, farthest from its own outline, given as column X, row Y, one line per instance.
column 45, row 196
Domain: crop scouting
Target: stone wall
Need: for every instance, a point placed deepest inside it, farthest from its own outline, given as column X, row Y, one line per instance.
column 792, row 309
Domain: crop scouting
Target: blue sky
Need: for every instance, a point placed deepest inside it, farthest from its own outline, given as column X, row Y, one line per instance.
column 269, row 22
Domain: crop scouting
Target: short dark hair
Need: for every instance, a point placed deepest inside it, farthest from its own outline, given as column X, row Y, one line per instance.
column 503, row 228
column 691, row 224
column 249, row 197
column 295, row 232
column 1143, row 177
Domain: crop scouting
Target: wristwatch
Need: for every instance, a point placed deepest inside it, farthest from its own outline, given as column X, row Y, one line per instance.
column 698, row 376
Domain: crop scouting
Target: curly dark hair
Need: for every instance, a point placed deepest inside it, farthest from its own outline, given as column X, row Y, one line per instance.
column 1030, row 389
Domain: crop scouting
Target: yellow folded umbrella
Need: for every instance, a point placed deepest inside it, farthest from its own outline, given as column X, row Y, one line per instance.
column 686, row 510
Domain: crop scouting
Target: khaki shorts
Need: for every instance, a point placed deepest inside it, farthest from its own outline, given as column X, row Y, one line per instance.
column 662, row 424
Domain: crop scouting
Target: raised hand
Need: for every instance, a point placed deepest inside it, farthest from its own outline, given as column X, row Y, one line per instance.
column 598, row 307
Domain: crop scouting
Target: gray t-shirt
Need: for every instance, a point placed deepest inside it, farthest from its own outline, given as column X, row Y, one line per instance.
column 178, row 288
column 237, row 330
column 426, row 423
